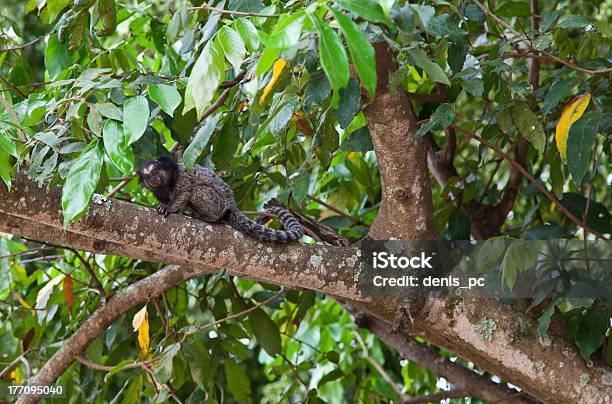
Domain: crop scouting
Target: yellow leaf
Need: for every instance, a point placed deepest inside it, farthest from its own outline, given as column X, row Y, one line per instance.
column 571, row 113
column 68, row 292
column 279, row 65
column 140, row 322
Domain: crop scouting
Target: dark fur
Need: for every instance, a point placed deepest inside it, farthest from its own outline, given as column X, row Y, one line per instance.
column 210, row 199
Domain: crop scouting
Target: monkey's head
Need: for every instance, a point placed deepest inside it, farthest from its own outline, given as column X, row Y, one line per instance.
column 160, row 174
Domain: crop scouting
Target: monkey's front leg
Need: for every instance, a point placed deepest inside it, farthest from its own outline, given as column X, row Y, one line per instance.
column 177, row 203
column 162, row 210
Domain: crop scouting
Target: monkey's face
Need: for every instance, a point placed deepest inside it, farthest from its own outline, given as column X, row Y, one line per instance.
column 153, row 176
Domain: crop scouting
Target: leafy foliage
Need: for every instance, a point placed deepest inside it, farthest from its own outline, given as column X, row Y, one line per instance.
column 94, row 88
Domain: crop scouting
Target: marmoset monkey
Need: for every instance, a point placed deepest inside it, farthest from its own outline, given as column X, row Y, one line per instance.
column 210, row 199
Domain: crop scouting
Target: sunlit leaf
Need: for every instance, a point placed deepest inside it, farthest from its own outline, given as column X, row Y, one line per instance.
column 167, row 97
column 279, row 65
column 140, row 323
column 81, row 181
column 135, row 118
column 117, row 147
column 571, row 113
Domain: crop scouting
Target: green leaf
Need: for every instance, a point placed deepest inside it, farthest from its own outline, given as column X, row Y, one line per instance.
column 135, row 118
column 473, row 86
column 299, row 186
column 134, row 391
column 519, row 257
column 459, row 226
column 442, row 117
column 331, row 376
column 163, row 371
column 57, row 56
column 580, row 146
column 361, row 51
column 474, row 13
column 7, row 145
column 558, row 91
column 200, row 141
column 404, row 18
column 514, row 9
column 286, row 33
column 232, row 45
column 598, row 216
column 238, row 382
column 457, row 52
column 444, row 26
column 544, row 320
column 591, row 331
column 110, row 110
column 266, row 331
column 317, row 89
column 107, row 12
column 200, row 362
column 433, row 70
column 358, row 141
column 248, row 32
column 529, row 125
column 504, row 119
column 350, row 100
column 573, row 21
column 117, row 146
column 81, row 181
column 205, row 77
column 367, row 9
column 246, row 6
column 332, row 55
column 167, row 97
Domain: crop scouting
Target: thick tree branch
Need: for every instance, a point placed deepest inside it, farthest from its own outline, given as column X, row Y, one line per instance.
column 460, row 377
column 134, row 231
column 406, row 210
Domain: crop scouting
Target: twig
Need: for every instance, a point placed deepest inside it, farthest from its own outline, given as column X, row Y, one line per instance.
column 14, row 116
column 537, row 52
column 223, row 11
column 13, row 363
column 539, row 186
column 437, row 397
column 92, row 274
column 218, row 102
column 377, row 366
column 233, row 316
column 119, row 187
column 25, row 45
column 105, row 368
column 13, row 86
column 336, row 210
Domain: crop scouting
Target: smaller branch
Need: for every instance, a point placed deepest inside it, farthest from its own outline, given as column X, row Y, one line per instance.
column 537, row 52
column 94, row 279
column 336, row 210
column 436, row 397
column 24, row 252
column 25, row 45
column 13, row 86
column 14, row 116
column 233, row 316
column 119, row 186
column 218, row 102
column 377, row 366
column 105, row 368
column 524, row 172
column 13, row 363
column 240, row 13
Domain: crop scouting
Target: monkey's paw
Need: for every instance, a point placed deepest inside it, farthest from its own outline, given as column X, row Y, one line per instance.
column 161, row 209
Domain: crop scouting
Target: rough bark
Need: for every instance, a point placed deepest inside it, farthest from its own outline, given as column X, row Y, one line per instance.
column 514, row 356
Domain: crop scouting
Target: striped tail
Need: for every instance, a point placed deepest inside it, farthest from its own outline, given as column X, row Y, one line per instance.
column 293, row 230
